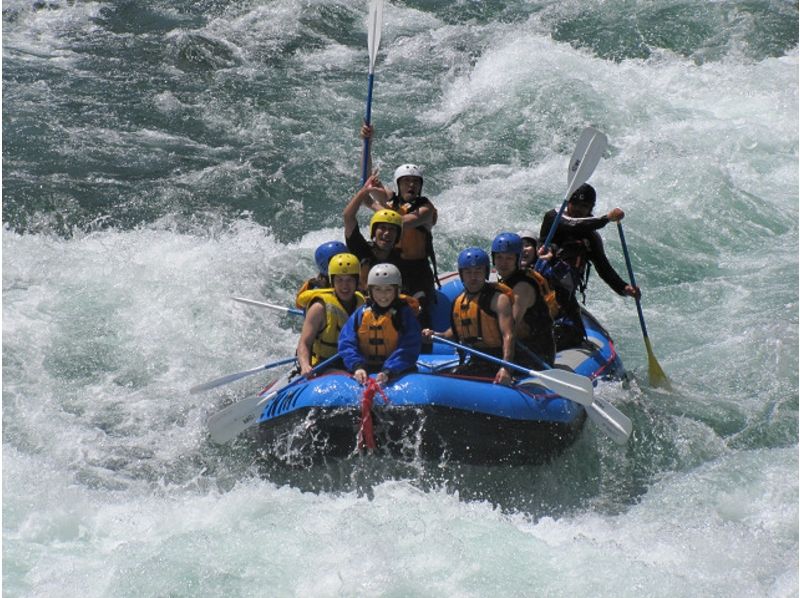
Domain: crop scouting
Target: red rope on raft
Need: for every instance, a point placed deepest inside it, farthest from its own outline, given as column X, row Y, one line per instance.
column 366, row 438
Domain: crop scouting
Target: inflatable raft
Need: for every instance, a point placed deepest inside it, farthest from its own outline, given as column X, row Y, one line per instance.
column 432, row 414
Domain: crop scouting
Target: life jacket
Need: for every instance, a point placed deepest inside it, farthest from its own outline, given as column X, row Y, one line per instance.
column 327, row 342
column 379, row 333
column 575, row 254
column 416, row 243
column 310, row 284
column 474, row 321
column 538, row 317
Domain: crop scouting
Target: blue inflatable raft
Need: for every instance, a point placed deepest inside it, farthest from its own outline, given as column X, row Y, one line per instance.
column 434, row 415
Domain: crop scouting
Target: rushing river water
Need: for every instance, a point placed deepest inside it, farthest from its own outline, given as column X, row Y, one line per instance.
column 160, row 157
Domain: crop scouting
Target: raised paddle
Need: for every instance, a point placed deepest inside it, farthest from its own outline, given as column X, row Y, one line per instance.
column 588, row 151
column 238, row 375
column 289, row 310
column 656, row 374
column 375, row 23
column 235, row 419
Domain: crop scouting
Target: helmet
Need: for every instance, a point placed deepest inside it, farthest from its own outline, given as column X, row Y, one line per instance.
column 472, row 257
column 507, row 243
column 344, row 263
column 384, row 274
column 325, row 252
column 407, row 170
column 585, row 194
column 385, row 217
column 526, row 234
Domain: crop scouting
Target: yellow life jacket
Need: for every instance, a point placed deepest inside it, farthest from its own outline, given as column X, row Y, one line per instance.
column 413, row 243
column 473, row 319
column 327, row 342
column 379, row 334
column 310, row 284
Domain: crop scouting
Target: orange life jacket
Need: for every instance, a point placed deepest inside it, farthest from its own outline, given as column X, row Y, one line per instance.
column 473, row 319
column 414, row 241
column 379, row 334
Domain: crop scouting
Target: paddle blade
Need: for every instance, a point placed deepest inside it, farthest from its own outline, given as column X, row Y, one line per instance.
column 374, row 27
column 227, row 424
column 656, row 374
column 571, row 386
column 588, row 151
column 610, row 420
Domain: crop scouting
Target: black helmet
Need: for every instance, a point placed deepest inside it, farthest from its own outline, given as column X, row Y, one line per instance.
column 585, row 194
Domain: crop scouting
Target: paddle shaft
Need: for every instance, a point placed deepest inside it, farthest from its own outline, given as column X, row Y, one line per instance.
column 632, row 277
column 289, row 310
column 239, row 375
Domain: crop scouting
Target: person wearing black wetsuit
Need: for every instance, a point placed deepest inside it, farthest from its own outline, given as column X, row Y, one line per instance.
column 577, row 244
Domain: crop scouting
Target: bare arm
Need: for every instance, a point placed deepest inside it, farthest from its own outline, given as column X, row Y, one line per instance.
column 312, row 326
column 524, row 298
column 505, row 319
column 351, row 209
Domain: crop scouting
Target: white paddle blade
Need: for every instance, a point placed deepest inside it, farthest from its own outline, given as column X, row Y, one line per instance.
column 227, row 424
column 571, row 386
column 374, row 27
column 590, row 148
column 610, row 420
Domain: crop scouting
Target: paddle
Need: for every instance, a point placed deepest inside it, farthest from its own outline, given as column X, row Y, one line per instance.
column 611, row 420
column 588, row 151
column 288, row 310
column 235, row 419
column 233, row 377
column 373, row 41
column 567, row 384
column 656, row 374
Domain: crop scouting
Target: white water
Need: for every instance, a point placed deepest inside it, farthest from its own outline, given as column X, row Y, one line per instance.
column 111, row 487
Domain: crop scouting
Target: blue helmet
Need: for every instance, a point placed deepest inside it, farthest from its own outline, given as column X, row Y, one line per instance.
column 507, row 243
column 325, row 252
column 472, row 257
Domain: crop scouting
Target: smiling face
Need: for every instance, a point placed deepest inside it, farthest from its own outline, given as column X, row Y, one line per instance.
column 505, row 264
column 383, row 294
column 385, row 236
column 344, row 285
column 528, row 255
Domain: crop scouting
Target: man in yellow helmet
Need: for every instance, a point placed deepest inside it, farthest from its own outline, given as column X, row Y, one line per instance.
column 385, row 228
column 327, row 311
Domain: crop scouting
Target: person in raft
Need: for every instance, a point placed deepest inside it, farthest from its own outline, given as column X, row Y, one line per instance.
column 322, row 256
column 418, row 266
column 482, row 316
column 533, row 323
column 383, row 336
column 578, row 245
column 385, row 228
column 327, row 311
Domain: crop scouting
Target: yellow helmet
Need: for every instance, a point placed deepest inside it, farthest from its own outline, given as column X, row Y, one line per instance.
column 344, row 263
column 385, row 217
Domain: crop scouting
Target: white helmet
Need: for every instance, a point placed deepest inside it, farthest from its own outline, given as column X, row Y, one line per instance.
column 407, row 170
column 384, row 274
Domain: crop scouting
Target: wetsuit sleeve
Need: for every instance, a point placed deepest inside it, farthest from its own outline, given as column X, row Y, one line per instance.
column 570, row 227
column 358, row 245
column 409, row 345
column 348, row 343
column 597, row 255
